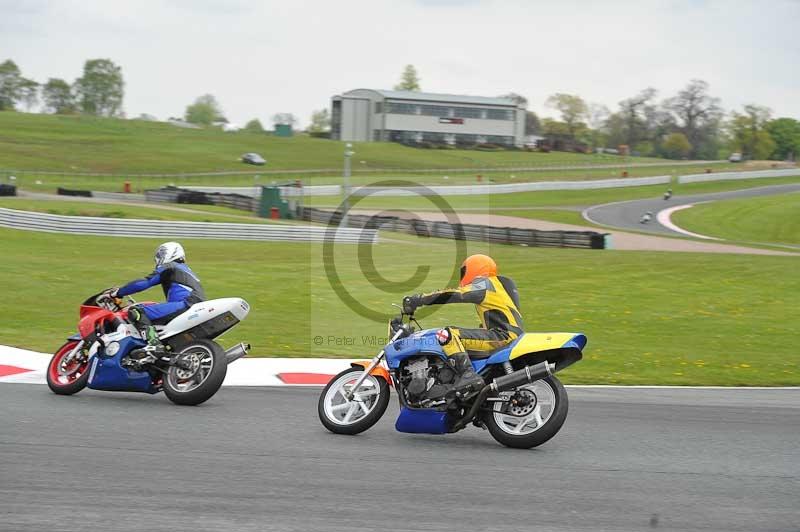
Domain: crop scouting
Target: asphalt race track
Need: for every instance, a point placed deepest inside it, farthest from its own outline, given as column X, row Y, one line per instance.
column 258, row 459
column 626, row 214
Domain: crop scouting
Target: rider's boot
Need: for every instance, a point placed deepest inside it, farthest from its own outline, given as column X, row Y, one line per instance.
column 154, row 348
column 467, row 380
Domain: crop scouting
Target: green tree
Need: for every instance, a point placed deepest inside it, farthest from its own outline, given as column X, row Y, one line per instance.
column 101, row 89
column 554, row 128
column 635, row 120
column 58, row 97
column 676, row 146
column 532, row 123
column 284, row 119
column 696, row 113
column 320, row 122
column 573, row 111
column 14, row 88
column 204, row 111
column 29, row 93
column 786, row 134
column 254, row 126
column 747, row 132
column 409, row 80
column 597, row 120
column 518, row 99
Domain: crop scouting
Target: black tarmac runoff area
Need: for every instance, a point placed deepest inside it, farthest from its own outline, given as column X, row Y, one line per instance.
column 626, row 214
column 255, row 459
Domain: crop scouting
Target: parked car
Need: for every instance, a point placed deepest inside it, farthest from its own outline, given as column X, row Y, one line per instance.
column 253, row 158
column 735, row 157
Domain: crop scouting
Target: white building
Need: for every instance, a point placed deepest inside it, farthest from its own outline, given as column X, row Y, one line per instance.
column 363, row 115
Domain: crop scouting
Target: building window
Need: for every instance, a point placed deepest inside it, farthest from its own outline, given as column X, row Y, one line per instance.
column 500, row 114
column 467, row 112
column 336, row 120
column 500, row 140
column 398, row 108
column 378, row 107
column 434, row 110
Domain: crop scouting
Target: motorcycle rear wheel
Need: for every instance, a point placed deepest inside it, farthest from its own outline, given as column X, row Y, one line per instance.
column 199, row 383
column 341, row 416
column 534, row 427
column 67, row 378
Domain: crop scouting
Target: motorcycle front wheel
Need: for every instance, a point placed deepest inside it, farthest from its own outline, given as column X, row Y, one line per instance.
column 532, row 421
column 68, row 375
column 342, row 416
column 199, row 377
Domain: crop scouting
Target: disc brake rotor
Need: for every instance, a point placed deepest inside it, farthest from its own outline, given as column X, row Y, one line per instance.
column 193, row 361
column 522, row 403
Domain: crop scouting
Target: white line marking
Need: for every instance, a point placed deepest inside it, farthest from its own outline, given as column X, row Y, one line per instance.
column 663, row 218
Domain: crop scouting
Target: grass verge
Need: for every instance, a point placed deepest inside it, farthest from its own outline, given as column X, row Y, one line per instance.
column 190, row 213
column 651, row 317
column 770, row 219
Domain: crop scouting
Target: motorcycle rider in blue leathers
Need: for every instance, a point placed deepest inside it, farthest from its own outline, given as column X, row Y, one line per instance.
column 181, row 287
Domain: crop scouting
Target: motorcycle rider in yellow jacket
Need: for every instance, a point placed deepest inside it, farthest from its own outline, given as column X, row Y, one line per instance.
column 497, row 302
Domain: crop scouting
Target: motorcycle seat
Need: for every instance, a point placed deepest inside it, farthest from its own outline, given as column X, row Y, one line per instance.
column 480, row 355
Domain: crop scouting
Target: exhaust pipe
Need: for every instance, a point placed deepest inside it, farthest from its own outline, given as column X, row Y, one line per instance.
column 522, row 376
column 501, row 384
column 236, row 352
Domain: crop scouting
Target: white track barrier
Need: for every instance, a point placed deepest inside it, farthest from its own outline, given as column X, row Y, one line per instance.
column 726, row 176
column 84, row 225
column 445, row 190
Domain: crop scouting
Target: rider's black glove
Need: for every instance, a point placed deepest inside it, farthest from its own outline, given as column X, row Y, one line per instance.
column 411, row 303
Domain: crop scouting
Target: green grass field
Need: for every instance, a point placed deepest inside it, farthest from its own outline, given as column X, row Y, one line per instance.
column 651, row 318
column 553, row 198
column 772, row 219
column 89, row 144
column 48, row 183
column 190, row 213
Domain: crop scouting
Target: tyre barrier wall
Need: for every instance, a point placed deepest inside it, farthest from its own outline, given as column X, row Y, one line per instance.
column 200, row 197
column 8, row 190
column 700, row 178
column 69, row 192
column 444, row 190
column 53, row 223
column 482, row 233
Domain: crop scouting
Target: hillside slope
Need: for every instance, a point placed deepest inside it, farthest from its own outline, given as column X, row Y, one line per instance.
column 107, row 145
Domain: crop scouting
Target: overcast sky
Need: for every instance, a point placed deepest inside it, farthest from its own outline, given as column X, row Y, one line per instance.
column 263, row 57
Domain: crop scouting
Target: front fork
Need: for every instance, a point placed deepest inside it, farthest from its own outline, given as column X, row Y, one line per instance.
column 372, row 365
column 75, row 351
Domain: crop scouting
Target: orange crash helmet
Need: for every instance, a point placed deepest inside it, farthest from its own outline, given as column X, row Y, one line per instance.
column 477, row 266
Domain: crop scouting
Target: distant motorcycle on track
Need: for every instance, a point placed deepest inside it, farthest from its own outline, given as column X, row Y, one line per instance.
column 190, row 371
column 522, row 405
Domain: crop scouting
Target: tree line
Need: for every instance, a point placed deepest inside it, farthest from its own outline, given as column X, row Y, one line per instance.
column 99, row 91
column 690, row 124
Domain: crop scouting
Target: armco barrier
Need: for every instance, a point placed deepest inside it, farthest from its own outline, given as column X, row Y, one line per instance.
column 446, row 190
column 508, row 188
column 53, row 223
column 482, row 233
column 724, row 176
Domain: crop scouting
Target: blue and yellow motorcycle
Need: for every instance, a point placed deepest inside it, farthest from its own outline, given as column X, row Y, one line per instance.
column 522, row 405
